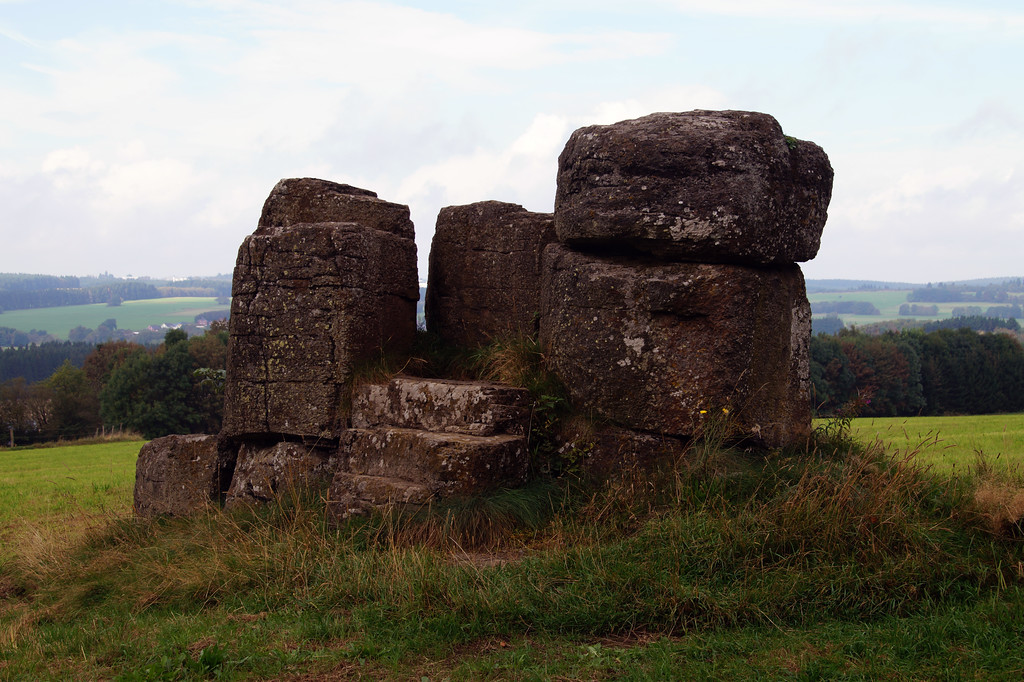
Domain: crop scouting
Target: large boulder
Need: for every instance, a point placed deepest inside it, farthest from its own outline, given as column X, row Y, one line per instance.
column 661, row 347
column 179, row 475
column 264, row 473
column 485, row 271
column 312, row 301
column 703, row 186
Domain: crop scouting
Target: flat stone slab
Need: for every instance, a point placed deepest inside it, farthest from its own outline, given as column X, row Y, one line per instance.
column 446, row 406
column 702, row 186
column 447, row 464
column 180, row 475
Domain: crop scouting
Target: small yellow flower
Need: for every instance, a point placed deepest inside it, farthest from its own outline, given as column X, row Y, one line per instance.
column 703, row 411
column 725, row 410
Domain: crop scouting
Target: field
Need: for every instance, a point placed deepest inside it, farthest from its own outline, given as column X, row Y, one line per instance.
column 830, row 564
column 59, row 488
column 949, row 445
column 129, row 315
column 888, row 302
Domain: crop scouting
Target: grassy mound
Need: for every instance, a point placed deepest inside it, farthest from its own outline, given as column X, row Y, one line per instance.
column 836, row 562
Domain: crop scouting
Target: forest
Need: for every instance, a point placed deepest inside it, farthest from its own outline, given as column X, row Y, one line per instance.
column 176, row 387
column 916, row 372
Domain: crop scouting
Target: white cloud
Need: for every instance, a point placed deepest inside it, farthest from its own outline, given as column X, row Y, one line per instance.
column 928, row 13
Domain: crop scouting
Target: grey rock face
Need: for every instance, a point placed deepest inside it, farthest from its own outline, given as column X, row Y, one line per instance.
column 180, row 475
column 650, row 345
column 311, row 302
column 485, row 271
column 703, row 186
column 262, row 473
column 445, row 406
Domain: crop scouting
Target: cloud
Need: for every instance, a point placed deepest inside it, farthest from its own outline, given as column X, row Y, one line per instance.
column 924, row 212
column 842, row 11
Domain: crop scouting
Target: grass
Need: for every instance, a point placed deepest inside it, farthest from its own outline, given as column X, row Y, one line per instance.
column 841, row 562
column 62, row 489
column 951, row 445
column 129, row 315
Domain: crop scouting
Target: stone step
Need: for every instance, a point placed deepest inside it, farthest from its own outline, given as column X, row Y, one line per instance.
column 358, row 493
column 262, row 473
column 445, row 463
column 446, row 406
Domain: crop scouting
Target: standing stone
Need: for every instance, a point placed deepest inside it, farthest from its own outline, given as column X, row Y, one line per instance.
column 313, row 300
column 703, row 186
column 485, row 271
column 180, row 475
column 650, row 345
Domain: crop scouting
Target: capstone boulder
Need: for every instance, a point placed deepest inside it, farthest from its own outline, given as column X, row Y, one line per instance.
column 702, row 186
column 311, row 200
column 485, row 271
column 661, row 347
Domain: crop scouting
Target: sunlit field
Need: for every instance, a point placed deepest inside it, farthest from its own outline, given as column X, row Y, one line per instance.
column 951, row 444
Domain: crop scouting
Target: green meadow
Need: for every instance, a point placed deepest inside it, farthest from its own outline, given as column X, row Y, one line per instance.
column 951, row 445
column 129, row 315
column 59, row 488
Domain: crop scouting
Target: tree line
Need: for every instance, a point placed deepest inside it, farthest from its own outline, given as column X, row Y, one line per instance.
column 176, row 387
column 112, row 293
column 911, row 372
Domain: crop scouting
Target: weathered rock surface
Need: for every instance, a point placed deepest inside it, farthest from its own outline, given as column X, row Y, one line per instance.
column 485, row 271
column 445, row 463
column 356, row 494
column 416, row 440
column 311, row 302
column 649, row 345
column 603, row 452
column 179, row 475
column 262, row 473
column 704, row 186
column 310, row 200
column 445, row 406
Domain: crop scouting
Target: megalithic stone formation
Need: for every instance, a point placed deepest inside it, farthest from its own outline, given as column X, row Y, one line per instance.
column 664, row 290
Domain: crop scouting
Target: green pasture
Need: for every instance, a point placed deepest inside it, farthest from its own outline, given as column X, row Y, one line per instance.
column 887, row 301
column 53, row 486
column 129, row 315
column 951, row 444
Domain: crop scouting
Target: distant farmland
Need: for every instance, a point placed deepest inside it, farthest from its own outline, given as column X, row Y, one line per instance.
column 129, row 315
column 887, row 301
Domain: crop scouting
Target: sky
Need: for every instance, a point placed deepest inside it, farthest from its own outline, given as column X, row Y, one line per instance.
column 142, row 137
